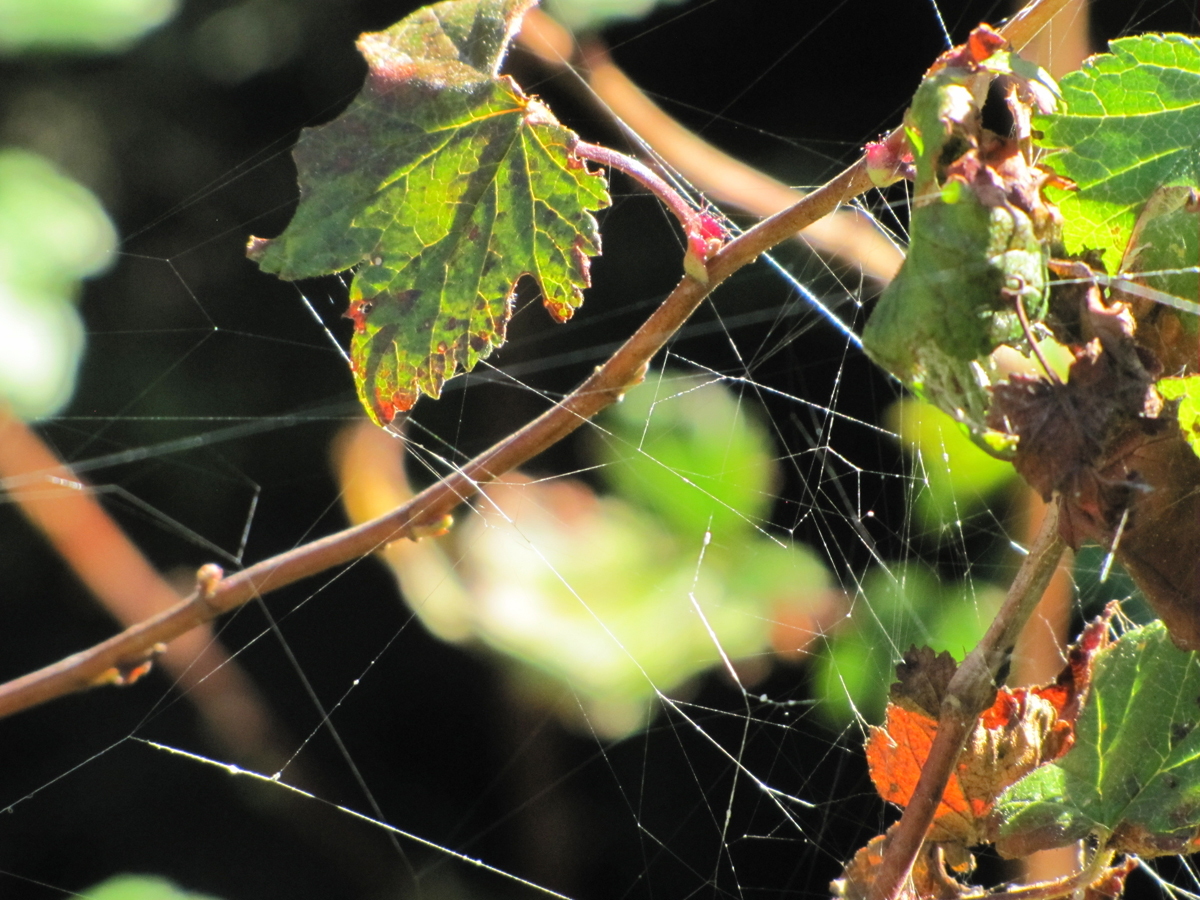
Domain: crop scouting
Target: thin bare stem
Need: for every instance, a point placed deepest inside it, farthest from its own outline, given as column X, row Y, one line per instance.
column 645, row 176
column 65, row 510
column 623, row 369
column 971, row 691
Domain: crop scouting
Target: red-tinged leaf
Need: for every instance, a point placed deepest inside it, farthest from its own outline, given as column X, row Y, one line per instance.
column 445, row 185
column 1111, row 882
column 1023, row 729
column 931, row 877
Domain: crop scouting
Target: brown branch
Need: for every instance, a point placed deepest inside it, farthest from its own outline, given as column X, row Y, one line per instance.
column 63, row 508
column 216, row 596
column 624, row 369
column 971, row 691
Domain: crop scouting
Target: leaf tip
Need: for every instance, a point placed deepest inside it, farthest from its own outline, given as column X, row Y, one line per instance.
column 256, row 248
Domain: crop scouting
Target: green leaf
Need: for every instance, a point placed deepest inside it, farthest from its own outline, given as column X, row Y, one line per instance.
column 79, row 25
column 580, row 15
column 692, row 452
column 954, row 476
column 978, row 238
column 1187, row 392
column 1132, row 778
column 140, row 887
column 53, row 232
column 446, row 185
column 1131, row 124
column 945, row 312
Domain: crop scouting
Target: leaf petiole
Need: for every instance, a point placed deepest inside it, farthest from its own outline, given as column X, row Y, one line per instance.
column 705, row 235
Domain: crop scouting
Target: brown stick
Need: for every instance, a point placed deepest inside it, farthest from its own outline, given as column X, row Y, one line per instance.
column 624, row 369
column 971, row 691
column 64, row 509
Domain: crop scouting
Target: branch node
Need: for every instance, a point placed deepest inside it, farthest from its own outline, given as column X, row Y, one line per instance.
column 208, row 579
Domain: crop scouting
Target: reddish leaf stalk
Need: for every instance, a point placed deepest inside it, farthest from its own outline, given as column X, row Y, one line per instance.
column 702, row 242
column 624, row 369
column 971, row 691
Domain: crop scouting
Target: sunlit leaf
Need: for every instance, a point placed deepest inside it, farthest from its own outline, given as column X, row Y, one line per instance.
column 445, row 185
column 140, row 887
column 979, row 234
column 1130, row 124
column 1132, row 779
column 1187, row 392
column 1024, row 728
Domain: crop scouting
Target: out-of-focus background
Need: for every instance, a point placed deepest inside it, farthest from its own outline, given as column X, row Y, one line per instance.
column 510, row 709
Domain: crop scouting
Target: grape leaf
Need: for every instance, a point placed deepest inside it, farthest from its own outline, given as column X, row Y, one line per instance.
column 445, row 185
column 1132, row 778
column 979, row 233
column 1022, row 729
column 1130, row 124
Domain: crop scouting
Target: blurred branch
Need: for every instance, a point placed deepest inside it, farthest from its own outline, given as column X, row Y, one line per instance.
column 65, row 510
column 849, row 234
column 428, row 509
column 1038, row 656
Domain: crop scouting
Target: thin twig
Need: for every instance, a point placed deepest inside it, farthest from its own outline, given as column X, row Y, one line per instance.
column 971, row 691
column 65, row 510
column 624, row 369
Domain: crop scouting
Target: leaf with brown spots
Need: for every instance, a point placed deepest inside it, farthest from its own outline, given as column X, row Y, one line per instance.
column 1023, row 729
column 445, row 185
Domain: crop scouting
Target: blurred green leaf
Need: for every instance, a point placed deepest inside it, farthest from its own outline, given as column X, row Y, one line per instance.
column 53, row 232
column 1130, row 124
column 445, row 184
column 593, row 603
column 1132, row 777
column 140, row 887
column 693, row 453
column 593, row 594
column 79, row 25
column 897, row 608
column 952, row 476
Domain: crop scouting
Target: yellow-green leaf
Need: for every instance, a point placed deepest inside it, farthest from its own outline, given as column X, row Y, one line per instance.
column 445, row 185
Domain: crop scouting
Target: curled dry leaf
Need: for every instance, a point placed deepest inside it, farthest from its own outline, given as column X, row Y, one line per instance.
column 1023, row 729
column 931, row 877
column 1104, row 444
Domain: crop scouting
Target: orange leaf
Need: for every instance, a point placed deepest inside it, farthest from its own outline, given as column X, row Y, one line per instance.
column 930, row 879
column 1021, row 730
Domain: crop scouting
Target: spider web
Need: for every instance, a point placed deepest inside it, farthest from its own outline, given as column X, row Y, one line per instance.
column 210, row 396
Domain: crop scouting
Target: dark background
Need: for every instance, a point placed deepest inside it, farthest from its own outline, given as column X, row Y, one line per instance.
column 185, row 140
